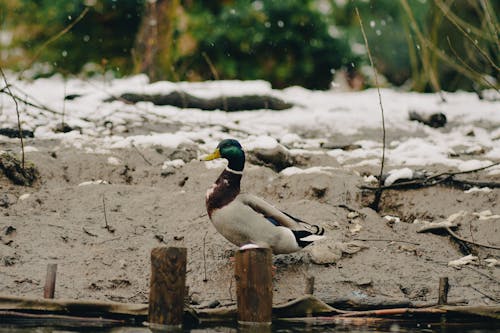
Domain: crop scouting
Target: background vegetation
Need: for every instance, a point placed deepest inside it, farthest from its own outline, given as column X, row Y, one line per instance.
column 426, row 45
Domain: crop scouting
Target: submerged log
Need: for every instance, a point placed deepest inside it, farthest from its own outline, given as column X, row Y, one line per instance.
column 297, row 310
column 225, row 103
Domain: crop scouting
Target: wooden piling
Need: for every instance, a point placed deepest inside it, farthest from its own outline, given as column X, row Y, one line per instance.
column 254, row 287
column 50, row 281
column 167, row 287
column 309, row 285
column 444, row 287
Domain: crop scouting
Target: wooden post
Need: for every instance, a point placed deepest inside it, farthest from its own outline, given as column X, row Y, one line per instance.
column 254, row 286
column 167, row 287
column 444, row 287
column 310, row 285
column 50, row 281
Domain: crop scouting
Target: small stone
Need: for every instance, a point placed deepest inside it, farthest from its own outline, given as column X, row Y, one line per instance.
column 318, row 191
column 352, row 215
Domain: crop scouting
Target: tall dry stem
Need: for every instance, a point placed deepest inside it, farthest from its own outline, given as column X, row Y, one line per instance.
column 7, row 86
column 378, row 193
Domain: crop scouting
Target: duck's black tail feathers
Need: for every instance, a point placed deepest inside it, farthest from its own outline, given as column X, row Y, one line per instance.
column 304, row 237
column 312, row 228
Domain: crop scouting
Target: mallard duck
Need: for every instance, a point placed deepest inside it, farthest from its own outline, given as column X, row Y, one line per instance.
column 246, row 220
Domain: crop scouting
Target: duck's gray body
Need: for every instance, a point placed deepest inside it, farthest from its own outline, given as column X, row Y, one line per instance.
column 246, row 219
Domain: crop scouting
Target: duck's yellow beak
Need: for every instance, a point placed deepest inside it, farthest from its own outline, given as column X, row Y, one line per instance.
column 213, row 156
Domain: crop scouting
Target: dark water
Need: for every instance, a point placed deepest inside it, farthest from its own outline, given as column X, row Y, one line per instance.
column 407, row 327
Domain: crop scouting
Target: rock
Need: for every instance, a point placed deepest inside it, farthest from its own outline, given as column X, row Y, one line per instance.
column 346, row 147
column 5, row 202
column 318, row 191
column 65, row 128
column 434, row 120
column 277, row 158
column 14, row 133
column 352, row 215
column 184, row 152
column 327, row 251
column 13, row 169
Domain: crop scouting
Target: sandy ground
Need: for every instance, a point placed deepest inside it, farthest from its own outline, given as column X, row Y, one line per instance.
column 62, row 222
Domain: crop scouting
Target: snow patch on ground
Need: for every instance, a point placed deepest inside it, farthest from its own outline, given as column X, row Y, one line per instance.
column 317, row 116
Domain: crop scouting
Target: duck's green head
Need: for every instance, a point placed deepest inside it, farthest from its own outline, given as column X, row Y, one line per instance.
column 232, row 151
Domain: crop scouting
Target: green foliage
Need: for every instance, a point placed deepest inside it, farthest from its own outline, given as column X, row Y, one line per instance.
column 104, row 36
column 285, row 42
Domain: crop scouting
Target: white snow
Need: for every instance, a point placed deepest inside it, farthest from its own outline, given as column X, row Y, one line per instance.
column 318, row 116
column 94, row 182
column 290, row 171
column 177, row 163
column 396, row 174
column 476, row 189
column 458, row 263
column 114, row 161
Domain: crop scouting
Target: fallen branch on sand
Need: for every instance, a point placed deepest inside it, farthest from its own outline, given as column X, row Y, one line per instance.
column 454, row 235
column 181, row 99
column 444, row 178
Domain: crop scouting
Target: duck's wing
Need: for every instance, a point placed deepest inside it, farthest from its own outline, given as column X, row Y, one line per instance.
column 276, row 216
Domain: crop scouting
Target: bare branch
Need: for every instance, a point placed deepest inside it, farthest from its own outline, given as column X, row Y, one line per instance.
column 7, row 86
column 463, row 62
column 54, row 38
column 424, row 50
column 446, row 12
column 378, row 194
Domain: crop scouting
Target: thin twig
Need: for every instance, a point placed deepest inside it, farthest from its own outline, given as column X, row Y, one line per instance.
column 460, row 238
column 88, row 232
column 54, row 38
column 445, row 11
column 424, row 50
column 385, row 240
column 140, row 154
column 204, row 258
column 378, row 194
column 216, row 77
column 25, row 101
column 425, row 43
column 491, row 20
column 438, row 179
column 7, row 86
column 106, row 226
column 485, row 295
column 463, row 62
column 492, row 278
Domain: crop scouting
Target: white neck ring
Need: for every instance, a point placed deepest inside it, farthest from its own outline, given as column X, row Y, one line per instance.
column 234, row 171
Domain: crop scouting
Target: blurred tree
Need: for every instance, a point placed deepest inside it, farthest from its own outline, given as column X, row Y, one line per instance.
column 104, row 36
column 155, row 49
column 451, row 44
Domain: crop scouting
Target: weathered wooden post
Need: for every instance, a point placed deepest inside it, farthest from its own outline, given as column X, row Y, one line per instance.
column 309, row 285
column 50, row 281
column 444, row 287
column 254, row 286
column 167, row 287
